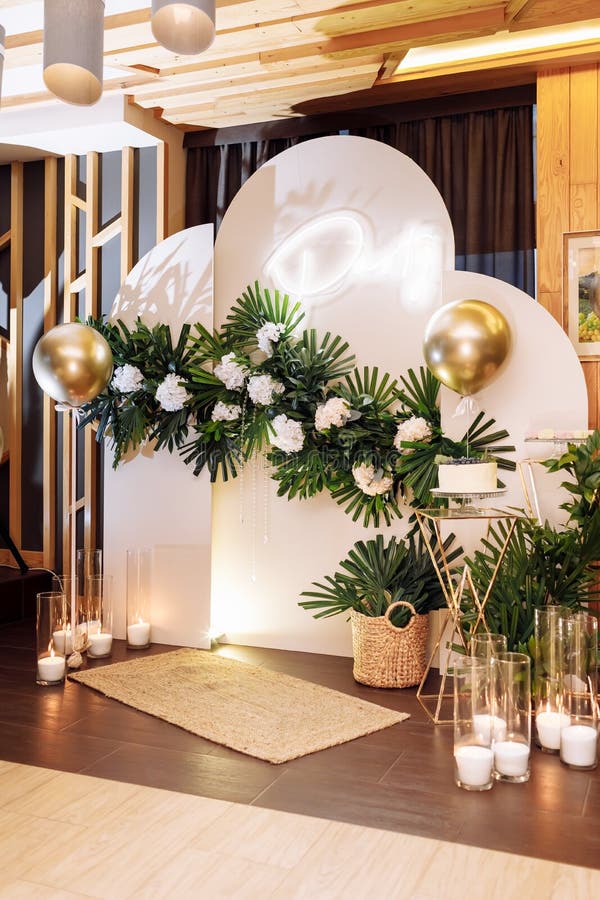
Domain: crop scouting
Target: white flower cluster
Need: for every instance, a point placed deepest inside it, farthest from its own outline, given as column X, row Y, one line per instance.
column 269, row 334
column 334, row 412
column 232, row 374
column 288, row 436
column 364, row 476
column 263, row 388
column 414, row 429
column 224, row 412
column 171, row 394
column 126, row 379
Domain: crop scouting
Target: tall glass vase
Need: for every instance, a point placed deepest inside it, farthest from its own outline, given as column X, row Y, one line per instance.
column 550, row 715
column 579, row 738
column 50, row 637
column 473, row 724
column 139, row 597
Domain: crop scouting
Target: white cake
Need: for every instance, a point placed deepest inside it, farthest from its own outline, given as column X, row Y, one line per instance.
column 474, row 477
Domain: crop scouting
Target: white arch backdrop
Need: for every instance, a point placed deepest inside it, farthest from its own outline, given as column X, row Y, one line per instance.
column 361, row 235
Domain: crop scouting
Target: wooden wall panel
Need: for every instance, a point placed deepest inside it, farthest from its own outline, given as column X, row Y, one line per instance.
column 553, row 201
column 568, row 186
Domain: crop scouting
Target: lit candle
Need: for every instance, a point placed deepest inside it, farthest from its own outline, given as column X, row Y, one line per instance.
column 138, row 634
column 51, row 669
column 578, row 745
column 511, row 758
column 474, row 765
column 63, row 640
column 548, row 726
column 488, row 728
column 99, row 644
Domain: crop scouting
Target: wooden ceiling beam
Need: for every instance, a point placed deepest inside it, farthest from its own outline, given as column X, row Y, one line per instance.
column 236, row 77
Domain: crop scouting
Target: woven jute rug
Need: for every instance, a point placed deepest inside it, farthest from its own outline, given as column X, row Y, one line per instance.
column 265, row 714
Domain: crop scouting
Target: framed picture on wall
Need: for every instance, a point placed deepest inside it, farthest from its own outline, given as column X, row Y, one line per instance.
column 581, row 296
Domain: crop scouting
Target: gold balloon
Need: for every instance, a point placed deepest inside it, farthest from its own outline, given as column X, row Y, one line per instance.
column 72, row 363
column 466, row 344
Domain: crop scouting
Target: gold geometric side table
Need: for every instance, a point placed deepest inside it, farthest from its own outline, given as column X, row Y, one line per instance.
column 453, row 591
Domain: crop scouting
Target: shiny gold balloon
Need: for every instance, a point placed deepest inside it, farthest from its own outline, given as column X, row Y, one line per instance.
column 72, row 363
column 466, row 344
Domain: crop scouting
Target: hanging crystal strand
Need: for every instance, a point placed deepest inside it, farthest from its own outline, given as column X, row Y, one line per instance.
column 242, row 463
column 266, row 479
column 253, row 523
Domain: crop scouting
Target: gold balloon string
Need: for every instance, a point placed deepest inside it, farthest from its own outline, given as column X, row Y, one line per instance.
column 467, row 407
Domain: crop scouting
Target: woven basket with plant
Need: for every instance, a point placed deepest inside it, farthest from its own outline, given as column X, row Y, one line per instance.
column 388, row 590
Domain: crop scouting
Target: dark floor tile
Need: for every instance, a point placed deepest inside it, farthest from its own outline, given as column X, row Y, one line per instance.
column 122, row 723
column 346, row 799
column 239, row 781
column 35, row 747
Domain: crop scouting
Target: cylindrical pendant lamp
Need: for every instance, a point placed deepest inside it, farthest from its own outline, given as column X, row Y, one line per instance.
column 184, row 26
column 73, row 49
column 2, row 36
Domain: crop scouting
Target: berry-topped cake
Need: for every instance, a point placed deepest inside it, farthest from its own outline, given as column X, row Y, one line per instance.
column 468, row 474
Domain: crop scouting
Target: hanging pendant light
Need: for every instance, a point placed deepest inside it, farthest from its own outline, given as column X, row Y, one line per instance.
column 2, row 36
column 184, row 26
column 73, row 49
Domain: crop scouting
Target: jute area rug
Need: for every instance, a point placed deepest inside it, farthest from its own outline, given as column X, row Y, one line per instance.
column 265, row 714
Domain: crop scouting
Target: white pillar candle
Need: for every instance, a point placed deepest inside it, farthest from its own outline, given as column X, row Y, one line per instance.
column 511, row 758
column 63, row 640
column 51, row 668
column 578, row 745
column 138, row 634
column 489, row 728
column 474, row 765
column 548, row 726
column 100, row 644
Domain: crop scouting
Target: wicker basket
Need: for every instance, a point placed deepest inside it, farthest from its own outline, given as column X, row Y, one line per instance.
column 386, row 656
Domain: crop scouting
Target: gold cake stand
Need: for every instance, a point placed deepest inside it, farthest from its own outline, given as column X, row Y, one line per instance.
column 430, row 520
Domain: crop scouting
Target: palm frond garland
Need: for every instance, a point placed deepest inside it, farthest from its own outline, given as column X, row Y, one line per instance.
column 258, row 385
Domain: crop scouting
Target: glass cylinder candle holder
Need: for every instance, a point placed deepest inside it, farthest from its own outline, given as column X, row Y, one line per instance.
column 99, row 607
column 550, row 715
column 50, row 621
column 473, row 724
column 513, row 708
column 579, row 736
column 139, row 597
column 487, row 645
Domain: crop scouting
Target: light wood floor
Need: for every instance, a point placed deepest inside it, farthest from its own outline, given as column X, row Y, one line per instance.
column 64, row 835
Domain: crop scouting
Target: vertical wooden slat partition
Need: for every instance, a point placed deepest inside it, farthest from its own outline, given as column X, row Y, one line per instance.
column 50, row 305
column 82, row 276
column 15, row 353
column 568, row 187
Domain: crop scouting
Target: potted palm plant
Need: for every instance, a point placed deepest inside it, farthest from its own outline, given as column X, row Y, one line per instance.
column 388, row 591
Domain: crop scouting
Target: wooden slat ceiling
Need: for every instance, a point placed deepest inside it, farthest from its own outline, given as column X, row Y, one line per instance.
column 279, row 58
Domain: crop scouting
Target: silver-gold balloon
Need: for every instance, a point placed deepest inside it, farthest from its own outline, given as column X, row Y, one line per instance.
column 72, row 363
column 466, row 344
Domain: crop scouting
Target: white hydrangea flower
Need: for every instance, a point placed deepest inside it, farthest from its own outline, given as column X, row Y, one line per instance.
column 414, row 429
column 231, row 373
column 171, row 394
column 269, row 334
column 126, row 379
column 224, row 412
column 334, row 412
column 263, row 388
column 288, row 436
column 364, row 476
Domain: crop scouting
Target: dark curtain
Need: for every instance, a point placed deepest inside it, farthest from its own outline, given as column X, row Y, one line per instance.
column 215, row 175
column 482, row 165
column 481, row 162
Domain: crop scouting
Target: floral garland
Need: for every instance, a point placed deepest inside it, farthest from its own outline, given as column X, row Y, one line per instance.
column 262, row 384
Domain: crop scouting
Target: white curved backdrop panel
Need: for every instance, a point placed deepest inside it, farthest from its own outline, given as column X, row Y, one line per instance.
column 360, row 234
column 542, row 385
column 153, row 499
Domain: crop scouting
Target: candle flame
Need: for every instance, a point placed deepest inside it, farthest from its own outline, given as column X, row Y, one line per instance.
column 140, row 620
column 50, row 649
